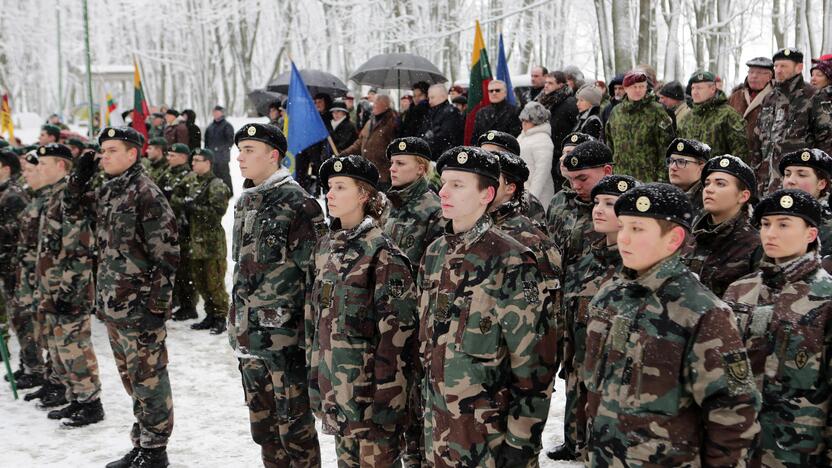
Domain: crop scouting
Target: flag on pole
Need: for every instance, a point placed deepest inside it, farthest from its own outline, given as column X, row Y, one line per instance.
column 478, row 83
column 503, row 73
column 6, row 124
column 110, row 106
column 289, row 159
column 304, row 126
column 140, row 110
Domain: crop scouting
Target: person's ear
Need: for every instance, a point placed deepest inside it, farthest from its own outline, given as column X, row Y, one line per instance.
column 677, row 238
column 811, row 234
column 488, row 196
column 745, row 195
column 607, row 170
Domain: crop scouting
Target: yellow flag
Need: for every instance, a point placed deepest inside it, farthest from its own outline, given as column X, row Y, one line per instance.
column 6, row 124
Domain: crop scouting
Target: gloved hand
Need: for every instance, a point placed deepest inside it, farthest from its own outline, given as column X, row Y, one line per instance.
column 63, row 307
column 512, row 457
column 85, row 166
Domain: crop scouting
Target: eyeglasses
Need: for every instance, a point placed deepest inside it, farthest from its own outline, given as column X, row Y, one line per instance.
column 495, row 90
column 680, row 163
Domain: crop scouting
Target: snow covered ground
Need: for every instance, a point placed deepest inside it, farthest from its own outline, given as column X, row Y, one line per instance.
column 211, row 419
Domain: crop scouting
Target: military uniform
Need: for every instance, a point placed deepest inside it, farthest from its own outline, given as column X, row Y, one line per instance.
column 822, row 112
column 274, row 236
column 176, row 183
column 718, row 125
column 13, row 200
column 570, row 225
column 360, row 342
column 414, row 219
column 638, row 134
column 155, row 169
column 533, row 209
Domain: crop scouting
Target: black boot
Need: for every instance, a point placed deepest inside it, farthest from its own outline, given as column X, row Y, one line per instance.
column 17, row 374
column 562, row 452
column 87, row 413
column 219, row 326
column 55, row 396
column 151, row 458
column 185, row 313
column 205, row 324
column 27, row 381
column 125, row 461
column 64, row 412
column 37, row 394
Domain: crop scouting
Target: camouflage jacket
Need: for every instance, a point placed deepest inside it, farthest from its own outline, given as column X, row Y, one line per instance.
column 533, row 209
column 785, row 315
column 570, row 225
column 205, row 203
column 723, row 253
column 414, row 219
column 786, row 124
column 668, row 377
column 825, row 228
column 138, row 251
column 176, row 183
column 694, row 193
column 27, row 294
column 582, row 281
column 13, row 200
column 360, row 318
column 65, row 261
column 822, row 112
column 486, row 339
column 276, row 225
column 718, row 125
column 155, row 169
column 638, row 134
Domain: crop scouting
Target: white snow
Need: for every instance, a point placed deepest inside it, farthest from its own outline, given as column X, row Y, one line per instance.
column 210, row 417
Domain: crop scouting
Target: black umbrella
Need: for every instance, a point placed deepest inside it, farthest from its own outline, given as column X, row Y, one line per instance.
column 261, row 98
column 316, row 81
column 397, row 71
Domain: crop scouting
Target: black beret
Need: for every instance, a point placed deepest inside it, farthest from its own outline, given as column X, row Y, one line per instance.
column 32, row 158
column 411, row 146
column 470, row 159
column 673, row 90
column 55, row 149
column 53, row 130
column 513, row 167
column 501, row 139
column 76, row 142
column 19, row 150
column 172, row 112
column 94, row 146
column 461, row 99
column 158, row 141
column 790, row 202
column 9, row 159
column 206, row 153
column 3, row 143
column 353, row 166
column 266, row 133
column 588, row 155
column 658, row 201
column 809, row 157
column 179, row 148
column 575, row 139
column 693, row 148
column 760, row 62
column 128, row 135
column 789, row 53
column 735, row 166
column 615, row 185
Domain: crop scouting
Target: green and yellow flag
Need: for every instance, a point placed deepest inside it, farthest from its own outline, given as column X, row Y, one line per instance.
column 478, row 83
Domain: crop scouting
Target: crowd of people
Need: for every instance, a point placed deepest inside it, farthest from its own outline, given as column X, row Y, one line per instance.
column 663, row 248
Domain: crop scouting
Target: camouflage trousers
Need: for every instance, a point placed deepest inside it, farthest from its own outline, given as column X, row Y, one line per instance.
column 574, row 416
column 365, row 453
column 25, row 328
column 142, row 359
column 184, row 292
column 281, row 420
column 209, row 281
column 413, row 438
column 73, row 358
column 4, row 317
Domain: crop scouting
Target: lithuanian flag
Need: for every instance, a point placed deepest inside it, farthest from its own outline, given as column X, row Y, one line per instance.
column 110, row 107
column 478, row 84
column 6, row 124
column 140, row 110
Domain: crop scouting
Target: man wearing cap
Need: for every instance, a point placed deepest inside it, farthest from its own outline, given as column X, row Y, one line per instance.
column 49, row 134
column 66, row 291
column 712, row 121
column 176, row 130
column 156, row 163
column 668, row 377
column 747, row 99
column 726, row 247
column 787, row 121
column 639, row 131
column 785, row 315
column 276, row 225
column 499, row 115
column 672, row 97
column 138, row 253
column 343, row 131
column 219, row 138
column 685, row 160
column 76, row 146
column 822, row 102
column 810, row 170
column 487, row 329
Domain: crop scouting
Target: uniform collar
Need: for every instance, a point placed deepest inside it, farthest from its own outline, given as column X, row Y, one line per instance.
column 400, row 196
column 471, row 236
column 120, row 181
column 777, row 276
column 657, row 276
column 341, row 234
column 280, row 177
column 791, row 84
column 705, row 232
column 507, row 210
column 603, row 253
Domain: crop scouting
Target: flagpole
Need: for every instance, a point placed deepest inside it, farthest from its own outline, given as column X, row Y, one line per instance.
column 60, row 62
column 144, row 81
column 89, row 66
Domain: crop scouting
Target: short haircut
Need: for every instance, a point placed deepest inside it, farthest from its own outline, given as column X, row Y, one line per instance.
column 558, row 76
column 421, row 86
column 439, row 87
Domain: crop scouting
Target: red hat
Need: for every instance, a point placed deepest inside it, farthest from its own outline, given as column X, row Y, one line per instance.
column 822, row 58
column 634, row 77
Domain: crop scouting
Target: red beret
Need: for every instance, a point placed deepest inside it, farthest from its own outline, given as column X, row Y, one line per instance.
column 822, row 58
column 634, row 77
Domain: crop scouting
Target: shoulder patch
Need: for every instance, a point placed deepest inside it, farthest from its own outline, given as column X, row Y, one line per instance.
column 530, row 292
column 738, row 371
column 396, row 287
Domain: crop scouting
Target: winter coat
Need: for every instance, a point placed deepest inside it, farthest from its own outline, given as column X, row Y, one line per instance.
column 372, row 142
column 219, row 137
column 564, row 114
column 446, row 128
column 718, row 125
column 177, row 133
column 749, row 107
column 344, row 134
column 589, row 122
column 501, row 116
column 415, row 120
column 194, row 136
column 638, row 133
column 537, row 150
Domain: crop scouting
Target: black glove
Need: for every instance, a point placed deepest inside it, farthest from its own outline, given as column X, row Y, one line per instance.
column 85, row 166
column 512, row 457
column 63, row 307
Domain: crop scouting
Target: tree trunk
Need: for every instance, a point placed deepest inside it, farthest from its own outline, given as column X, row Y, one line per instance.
column 622, row 35
column 777, row 29
column 645, row 32
column 826, row 43
column 672, row 63
column 607, row 53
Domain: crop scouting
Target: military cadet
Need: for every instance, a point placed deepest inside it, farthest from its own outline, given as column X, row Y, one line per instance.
column 532, row 208
column 76, row 146
column 175, row 183
column 639, row 131
column 810, row 170
column 276, row 225
column 360, row 321
column 156, row 161
column 48, row 134
column 486, row 330
column 785, row 315
column 582, row 280
column 685, row 160
column 570, row 142
column 712, row 121
column 66, row 289
column 725, row 246
column 138, row 253
column 205, row 204
column 667, row 374
column 13, row 201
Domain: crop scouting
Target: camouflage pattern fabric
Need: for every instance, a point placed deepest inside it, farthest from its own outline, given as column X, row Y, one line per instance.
column 355, row 452
column 155, row 169
column 209, row 282
column 414, row 219
column 73, row 356
column 667, row 374
column 825, row 229
column 487, row 337
column 694, row 193
column 785, row 316
column 570, row 225
column 13, row 200
column 822, row 112
column 718, row 125
column 533, row 209
column 177, row 183
column 205, row 203
column 638, row 134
